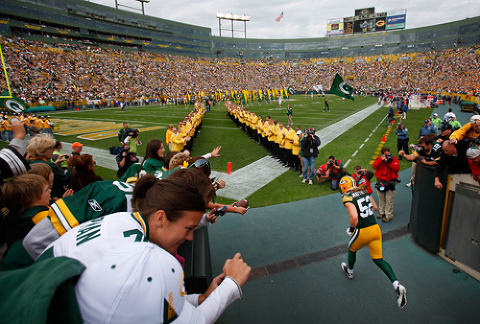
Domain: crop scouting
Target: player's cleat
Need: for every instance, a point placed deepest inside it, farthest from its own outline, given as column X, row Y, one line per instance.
column 409, row 185
column 401, row 296
column 345, row 269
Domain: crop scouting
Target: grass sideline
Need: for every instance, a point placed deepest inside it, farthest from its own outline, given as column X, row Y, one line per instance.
column 238, row 148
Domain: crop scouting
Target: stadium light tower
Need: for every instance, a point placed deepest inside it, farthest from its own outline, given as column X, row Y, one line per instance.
column 142, row 1
column 232, row 18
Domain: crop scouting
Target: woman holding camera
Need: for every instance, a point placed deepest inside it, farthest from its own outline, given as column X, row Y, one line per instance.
column 387, row 167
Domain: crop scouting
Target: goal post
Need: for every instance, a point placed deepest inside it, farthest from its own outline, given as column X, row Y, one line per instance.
column 5, row 76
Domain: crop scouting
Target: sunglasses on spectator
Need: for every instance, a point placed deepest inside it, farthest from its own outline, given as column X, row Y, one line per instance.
column 200, row 164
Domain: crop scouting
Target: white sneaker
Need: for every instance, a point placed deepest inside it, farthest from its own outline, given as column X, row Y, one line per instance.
column 345, row 269
column 401, row 296
column 409, row 185
column 304, row 181
column 310, row 182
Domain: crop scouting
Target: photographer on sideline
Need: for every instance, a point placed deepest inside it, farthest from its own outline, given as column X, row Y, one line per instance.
column 386, row 166
column 125, row 159
column 335, row 171
column 121, row 133
column 309, row 145
column 131, row 138
column 322, row 173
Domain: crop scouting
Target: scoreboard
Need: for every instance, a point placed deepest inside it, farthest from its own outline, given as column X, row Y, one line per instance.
column 367, row 21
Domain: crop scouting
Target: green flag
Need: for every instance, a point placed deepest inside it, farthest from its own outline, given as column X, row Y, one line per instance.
column 12, row 103
column 341, row 89
column 290, row 90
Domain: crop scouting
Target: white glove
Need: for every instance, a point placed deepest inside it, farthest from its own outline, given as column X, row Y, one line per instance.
column 350, row 231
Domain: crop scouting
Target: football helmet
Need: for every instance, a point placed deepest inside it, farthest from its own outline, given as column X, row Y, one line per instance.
column 347, row 183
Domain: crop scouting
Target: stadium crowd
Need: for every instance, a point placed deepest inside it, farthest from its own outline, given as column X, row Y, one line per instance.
column 165, row 198
column 41, row 72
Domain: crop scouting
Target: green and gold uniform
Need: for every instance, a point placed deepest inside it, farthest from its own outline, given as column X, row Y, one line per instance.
column 367, row 232
column 363, row 234
column 41, row 225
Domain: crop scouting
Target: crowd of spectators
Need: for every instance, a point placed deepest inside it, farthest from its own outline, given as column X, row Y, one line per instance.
column 42, row 73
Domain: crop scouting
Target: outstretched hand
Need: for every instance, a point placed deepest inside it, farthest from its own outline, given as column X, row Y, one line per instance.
column 215, row 151
column 237, row 269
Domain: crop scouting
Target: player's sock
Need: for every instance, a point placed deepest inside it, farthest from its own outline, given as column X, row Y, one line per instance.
column 386, row 268
column 352, row 257
column 395, row 284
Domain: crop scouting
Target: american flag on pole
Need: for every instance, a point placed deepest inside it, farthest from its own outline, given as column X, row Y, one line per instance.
column 279, row 17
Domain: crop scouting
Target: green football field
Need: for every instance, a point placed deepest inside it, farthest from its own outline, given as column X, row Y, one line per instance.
column 98, row 128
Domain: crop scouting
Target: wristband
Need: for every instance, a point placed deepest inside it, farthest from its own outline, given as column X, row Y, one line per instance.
column 239, row 288
column 352, row 229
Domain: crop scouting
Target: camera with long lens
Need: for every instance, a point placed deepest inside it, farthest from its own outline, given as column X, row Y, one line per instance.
column 132, row 132
column 474, row 141
column 310, row 135
column 389, row 158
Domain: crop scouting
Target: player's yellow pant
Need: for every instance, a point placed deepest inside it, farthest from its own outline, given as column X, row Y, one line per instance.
column 372, row 236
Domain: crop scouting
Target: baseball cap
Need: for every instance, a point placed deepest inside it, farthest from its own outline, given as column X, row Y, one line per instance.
column 427, row 121
column 435, row 114
column 446, row 126
column 135, row 283
column 299, row 132
column 76, row 144
column 475, row 119
column 473, row 152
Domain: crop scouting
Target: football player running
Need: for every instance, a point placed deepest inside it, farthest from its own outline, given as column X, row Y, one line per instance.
column 364, row 230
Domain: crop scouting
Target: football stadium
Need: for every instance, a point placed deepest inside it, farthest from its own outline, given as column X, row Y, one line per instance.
column 118, row 126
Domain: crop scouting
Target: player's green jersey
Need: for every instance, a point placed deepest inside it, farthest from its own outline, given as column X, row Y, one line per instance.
column 361, row 201
column 40, row 226
column 97, row 199
column 434, row 154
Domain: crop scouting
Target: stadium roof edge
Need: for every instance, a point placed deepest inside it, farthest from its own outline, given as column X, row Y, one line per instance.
column 455, row 23
column 111, row 9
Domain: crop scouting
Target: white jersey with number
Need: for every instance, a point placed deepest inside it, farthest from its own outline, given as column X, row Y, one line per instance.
column 89, row 241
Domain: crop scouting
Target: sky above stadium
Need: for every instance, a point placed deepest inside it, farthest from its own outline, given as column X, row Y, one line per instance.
column 301, row 19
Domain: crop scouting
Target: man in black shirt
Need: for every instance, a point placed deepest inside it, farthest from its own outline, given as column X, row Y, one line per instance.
column 453, row 158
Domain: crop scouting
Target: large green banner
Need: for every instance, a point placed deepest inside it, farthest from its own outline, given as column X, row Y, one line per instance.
column 12, row 103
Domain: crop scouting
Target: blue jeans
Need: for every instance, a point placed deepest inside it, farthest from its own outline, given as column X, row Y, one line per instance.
column 306, row 161
column 334, row 185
